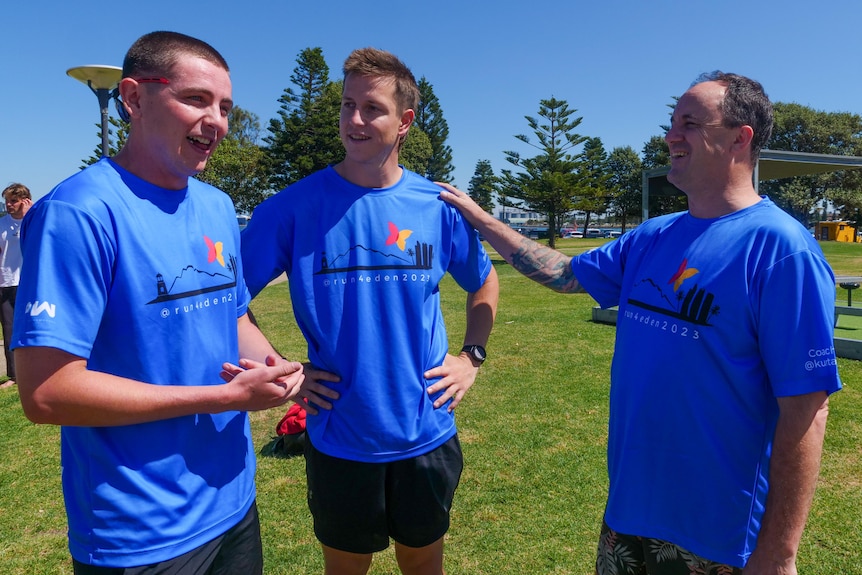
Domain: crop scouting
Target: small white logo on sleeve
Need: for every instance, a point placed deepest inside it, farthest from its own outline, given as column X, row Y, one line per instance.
column 36, row 308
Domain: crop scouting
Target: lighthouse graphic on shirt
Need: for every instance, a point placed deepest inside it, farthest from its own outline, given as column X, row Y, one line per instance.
column 219, row 273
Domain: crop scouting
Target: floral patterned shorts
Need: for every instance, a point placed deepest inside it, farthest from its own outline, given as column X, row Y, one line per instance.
column 632, row 555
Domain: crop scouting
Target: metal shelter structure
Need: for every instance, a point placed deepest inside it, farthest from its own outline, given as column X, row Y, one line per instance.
column 772, row 165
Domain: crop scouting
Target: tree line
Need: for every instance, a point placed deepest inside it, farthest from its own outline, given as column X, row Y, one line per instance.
column 557, row 172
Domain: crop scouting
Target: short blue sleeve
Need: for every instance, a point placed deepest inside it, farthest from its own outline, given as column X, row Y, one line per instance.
column 63, row 291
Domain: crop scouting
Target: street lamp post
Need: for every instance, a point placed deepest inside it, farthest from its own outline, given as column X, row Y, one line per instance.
column 101, row 80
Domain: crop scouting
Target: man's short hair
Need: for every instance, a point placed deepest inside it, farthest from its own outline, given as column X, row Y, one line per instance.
column 382, row 64
column 16, row 191
column 156, row 53
column 745, row 103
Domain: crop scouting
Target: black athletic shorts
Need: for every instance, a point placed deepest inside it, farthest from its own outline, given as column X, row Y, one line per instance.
column 358, row 506
column 238, row 550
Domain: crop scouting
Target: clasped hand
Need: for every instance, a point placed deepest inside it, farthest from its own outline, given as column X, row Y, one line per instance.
column 263, row 385
column 277, row 381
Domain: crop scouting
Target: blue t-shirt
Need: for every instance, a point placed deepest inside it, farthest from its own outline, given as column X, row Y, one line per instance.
column 363, row 267
column 144, row 283
column 717, row 318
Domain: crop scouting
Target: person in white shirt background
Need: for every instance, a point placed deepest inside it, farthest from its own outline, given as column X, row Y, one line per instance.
column 18, row 202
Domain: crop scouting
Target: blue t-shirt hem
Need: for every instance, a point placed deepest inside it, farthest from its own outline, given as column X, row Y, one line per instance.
column 126, row 558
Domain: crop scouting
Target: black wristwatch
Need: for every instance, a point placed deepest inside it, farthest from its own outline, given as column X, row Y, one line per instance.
column 477, row 352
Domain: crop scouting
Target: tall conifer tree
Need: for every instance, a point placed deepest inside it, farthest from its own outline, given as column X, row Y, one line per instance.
column 429, row 119
column 594, row 193
column 304, row 136
column 483, row 184
column 548, row 183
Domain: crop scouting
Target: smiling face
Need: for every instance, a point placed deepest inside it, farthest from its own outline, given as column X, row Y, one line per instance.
column 176, row 126
column 371, row 127
column 698, row 141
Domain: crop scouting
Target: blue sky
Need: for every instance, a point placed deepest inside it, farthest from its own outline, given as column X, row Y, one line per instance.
column 618, row 63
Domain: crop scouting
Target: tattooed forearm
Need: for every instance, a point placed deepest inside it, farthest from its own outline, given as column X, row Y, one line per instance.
column 545, row 266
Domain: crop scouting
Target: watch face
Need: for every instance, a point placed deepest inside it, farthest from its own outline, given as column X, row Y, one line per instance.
column 477, row 351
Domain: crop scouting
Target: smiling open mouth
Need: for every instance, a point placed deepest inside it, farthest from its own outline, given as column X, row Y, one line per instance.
column 201, row 142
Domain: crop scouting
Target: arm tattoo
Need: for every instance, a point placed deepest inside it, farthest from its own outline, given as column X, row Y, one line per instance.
column 545, row 266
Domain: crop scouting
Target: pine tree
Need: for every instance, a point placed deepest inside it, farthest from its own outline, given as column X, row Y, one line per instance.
column 548, row 183
column 118, row 131
column 429, row 119
column 594, row 193
column 304, row 137
column 482, row 186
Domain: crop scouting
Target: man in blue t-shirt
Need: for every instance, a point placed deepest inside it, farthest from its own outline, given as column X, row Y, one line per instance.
column 723, row 359
column 131, row 312
column 365, row 244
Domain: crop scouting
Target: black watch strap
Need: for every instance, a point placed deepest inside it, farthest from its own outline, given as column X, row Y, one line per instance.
column 477, row 352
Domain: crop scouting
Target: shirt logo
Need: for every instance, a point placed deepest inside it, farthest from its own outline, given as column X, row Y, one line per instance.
column 687, row 302
column 682, row 274
column 36, row 308
column 214, row 250
column 398, row 237
column 367, row 258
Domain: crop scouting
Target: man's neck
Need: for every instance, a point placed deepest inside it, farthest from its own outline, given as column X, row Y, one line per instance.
column 368, row 176
column 725, row 193
column 141, row 164
column 714, row 204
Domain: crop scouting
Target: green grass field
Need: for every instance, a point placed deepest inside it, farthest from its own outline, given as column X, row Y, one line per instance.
column 533, row 430
column 849, row 326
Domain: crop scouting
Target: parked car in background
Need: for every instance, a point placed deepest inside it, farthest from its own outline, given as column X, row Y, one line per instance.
column 573, row 235
column 594, row 233
column 532, row 232
column 242, row 220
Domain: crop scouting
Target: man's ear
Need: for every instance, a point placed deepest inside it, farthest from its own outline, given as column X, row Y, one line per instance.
column 407, row 118
column 130, row 97
column 744, row 136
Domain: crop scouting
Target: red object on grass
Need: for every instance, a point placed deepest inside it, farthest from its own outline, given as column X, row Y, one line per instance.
column 293, row 421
